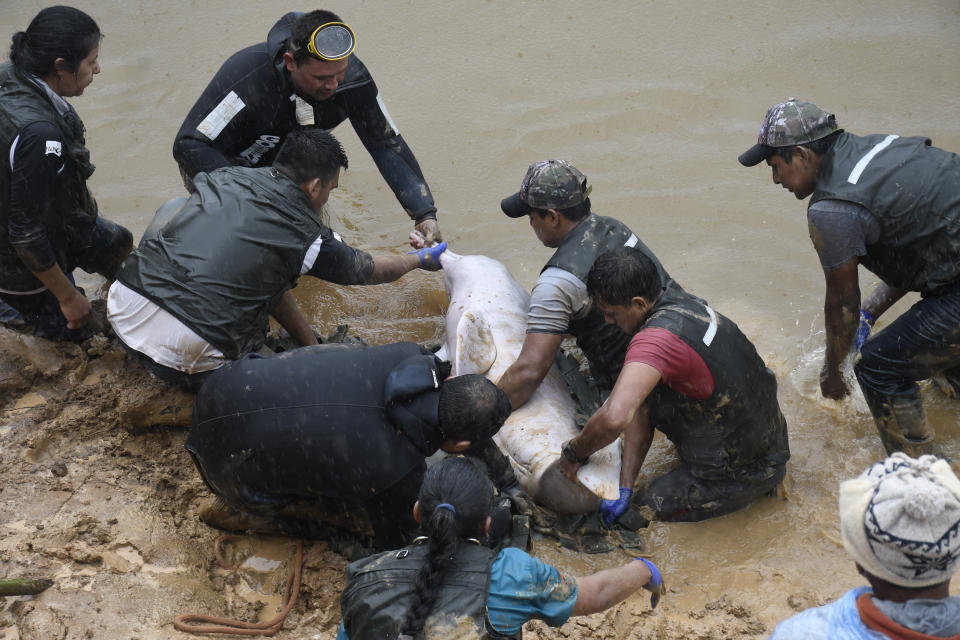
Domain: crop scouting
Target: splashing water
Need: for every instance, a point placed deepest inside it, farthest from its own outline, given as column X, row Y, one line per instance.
column 806, row 375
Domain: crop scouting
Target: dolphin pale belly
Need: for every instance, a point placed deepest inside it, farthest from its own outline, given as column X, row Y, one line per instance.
column 486, row 324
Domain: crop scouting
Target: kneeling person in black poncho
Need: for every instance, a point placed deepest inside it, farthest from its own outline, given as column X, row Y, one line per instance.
column 276, row 437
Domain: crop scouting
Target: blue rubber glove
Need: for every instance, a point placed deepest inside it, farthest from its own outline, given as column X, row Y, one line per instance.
column 430, row 256
column 655, row 586
column 863, row 329
column 610, row 510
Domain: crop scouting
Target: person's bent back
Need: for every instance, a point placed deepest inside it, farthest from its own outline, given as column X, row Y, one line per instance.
column 199, row 293
column 279, row 435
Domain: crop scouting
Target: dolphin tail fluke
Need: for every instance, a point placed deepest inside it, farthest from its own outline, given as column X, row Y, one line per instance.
column 476, row 350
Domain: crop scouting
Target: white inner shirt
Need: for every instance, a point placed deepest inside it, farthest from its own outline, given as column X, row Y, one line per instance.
column 154, row 332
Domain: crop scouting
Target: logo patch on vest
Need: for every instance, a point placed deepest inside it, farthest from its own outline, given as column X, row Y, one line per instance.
column 54, row 147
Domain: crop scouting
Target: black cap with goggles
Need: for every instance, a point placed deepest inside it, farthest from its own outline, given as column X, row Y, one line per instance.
column 332, row 41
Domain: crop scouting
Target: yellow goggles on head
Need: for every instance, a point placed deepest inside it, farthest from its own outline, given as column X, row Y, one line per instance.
column 332, row 41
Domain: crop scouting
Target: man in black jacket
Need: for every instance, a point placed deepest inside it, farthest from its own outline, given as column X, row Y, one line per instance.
column 278, row 437
column 304, row 74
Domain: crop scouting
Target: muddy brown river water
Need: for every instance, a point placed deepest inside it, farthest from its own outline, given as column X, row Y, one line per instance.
column 653, row 101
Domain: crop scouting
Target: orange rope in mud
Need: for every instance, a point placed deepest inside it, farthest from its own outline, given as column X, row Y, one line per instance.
column 200, row 623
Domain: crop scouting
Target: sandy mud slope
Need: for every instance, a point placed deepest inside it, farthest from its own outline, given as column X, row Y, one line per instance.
column 109, row 513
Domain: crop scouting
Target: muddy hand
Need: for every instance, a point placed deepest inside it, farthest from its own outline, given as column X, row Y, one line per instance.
column 655, row 586
column 430, row 230
column 76, row 309
column 832, row 385
column 569, row 469
column 417, row 241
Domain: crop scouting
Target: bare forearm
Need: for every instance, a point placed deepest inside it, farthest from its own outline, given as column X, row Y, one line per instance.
column 519, row 383
column 599, row 431
column 636, row 444
column 57, row 282
column 390, row 268
column 73, row 305
column 841, row 315
column 288, row 314
column 882, row 298
column 606, row 588
column 523, row 377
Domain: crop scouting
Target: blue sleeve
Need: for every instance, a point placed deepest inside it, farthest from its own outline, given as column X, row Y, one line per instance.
column 811, row 623
column 839, row 619
column 342, row 632
column 523, row 588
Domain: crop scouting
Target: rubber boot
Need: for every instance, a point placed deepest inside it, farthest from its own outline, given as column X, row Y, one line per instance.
column 170, row 407
column 948, row 382
column 902, row 425
column 11, row 317
column 218, row 514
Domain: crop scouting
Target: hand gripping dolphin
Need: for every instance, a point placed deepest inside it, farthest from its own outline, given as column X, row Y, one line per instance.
column 486, row 324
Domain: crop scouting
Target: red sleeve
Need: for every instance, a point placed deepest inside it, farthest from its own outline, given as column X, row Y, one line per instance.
column 681, row 368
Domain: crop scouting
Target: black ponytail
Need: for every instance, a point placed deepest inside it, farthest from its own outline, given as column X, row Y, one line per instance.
column 55, row 32
column 455, row 500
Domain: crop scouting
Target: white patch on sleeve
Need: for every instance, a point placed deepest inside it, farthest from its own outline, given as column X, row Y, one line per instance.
column 631, row 241
column 386, row 114
column 221, row 116
column 337, row 236
column 865, row 160
column 13, row 148
column 54, row 147
column 304, row 111
column 311, row 255
column 712, row 329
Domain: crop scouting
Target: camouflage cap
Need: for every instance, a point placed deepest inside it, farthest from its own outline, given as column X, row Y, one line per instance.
column 549, row 184
column 787, row 124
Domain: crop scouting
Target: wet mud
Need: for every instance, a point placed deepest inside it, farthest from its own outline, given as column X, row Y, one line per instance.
column 108, row 511
column 653, row 101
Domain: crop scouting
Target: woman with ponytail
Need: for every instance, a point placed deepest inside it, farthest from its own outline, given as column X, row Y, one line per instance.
column 48, row 220
column 447, row 584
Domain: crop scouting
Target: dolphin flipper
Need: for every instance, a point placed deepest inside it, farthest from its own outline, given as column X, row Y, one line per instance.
column 476, row 350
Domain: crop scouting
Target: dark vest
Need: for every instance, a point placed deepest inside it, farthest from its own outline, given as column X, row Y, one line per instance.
column 739, row 427
column 913, row 189
column 73, row 211
column 222, row 262
column 604, row 345
column 379, row 590
column 325, row 420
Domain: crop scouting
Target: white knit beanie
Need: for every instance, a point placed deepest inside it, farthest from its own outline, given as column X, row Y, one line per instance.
column 900, row 520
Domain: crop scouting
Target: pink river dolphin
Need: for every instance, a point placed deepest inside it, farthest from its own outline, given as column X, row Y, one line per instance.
column 485, row 327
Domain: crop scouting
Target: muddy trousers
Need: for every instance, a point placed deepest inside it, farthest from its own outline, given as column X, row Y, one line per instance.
column 683, row 495
column 921, row 343
column 389, row 513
